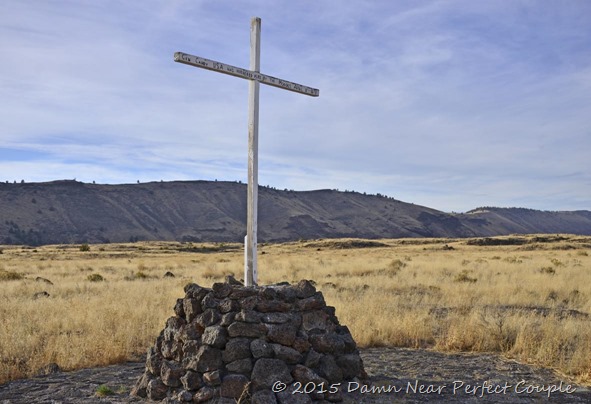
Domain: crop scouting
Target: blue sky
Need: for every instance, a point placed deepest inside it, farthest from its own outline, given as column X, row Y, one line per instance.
column 448, row 104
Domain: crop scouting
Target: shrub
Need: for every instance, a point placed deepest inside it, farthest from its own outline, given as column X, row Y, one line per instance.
column 557, row 262
column 548, row 270
column 464, row 277
column 395, row 266
column 84, row 247
column 138, row 275
column 104, row 390
column 85, row 269
column 513, row 260
column 95, row 278
column 10, row 276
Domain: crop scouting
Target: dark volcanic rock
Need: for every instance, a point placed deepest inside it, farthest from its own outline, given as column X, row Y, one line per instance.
column 233, row 385
column 267, row 334
column 268, row 371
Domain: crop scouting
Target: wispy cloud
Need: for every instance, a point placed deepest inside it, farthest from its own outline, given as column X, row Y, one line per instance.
column 450, row 104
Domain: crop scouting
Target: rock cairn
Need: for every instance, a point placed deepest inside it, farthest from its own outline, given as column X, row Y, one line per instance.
column 233, row 343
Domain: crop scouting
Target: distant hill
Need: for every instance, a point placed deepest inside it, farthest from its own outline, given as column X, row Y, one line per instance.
column 73, row 212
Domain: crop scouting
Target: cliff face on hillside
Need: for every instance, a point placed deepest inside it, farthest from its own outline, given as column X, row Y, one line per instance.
column 74, row 212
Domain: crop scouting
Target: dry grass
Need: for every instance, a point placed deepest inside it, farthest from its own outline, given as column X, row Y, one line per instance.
column 529, row 300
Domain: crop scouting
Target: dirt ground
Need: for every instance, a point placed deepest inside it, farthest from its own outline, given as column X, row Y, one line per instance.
column 396, row 376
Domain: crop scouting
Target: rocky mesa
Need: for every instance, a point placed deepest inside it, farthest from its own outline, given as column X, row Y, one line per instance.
column 74, row 212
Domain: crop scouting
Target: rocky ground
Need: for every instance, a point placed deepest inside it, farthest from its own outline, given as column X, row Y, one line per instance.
column 404, row 375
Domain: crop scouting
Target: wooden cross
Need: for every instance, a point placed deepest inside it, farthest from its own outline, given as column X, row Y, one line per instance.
column 255, row 77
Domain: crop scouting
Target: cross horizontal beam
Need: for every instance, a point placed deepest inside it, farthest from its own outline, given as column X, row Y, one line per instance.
column 244, row 73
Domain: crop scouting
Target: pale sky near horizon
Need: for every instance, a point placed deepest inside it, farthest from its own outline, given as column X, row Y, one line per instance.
column 447, row 104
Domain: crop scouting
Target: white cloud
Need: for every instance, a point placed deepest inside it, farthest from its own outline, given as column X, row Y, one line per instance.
column 445, row 104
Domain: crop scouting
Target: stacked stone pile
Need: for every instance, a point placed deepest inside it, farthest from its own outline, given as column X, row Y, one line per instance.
column 234, row 343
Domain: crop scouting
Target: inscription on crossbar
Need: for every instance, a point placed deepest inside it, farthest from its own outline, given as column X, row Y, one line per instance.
column 244, row 73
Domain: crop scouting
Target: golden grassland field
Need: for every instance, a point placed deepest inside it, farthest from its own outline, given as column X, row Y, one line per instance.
column 525, row 297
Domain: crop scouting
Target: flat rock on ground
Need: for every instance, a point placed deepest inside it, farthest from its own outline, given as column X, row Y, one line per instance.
column 411, row 376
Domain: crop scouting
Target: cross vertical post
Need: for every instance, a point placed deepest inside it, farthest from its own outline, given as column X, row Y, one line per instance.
column 250, row 265
column 255, row 77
